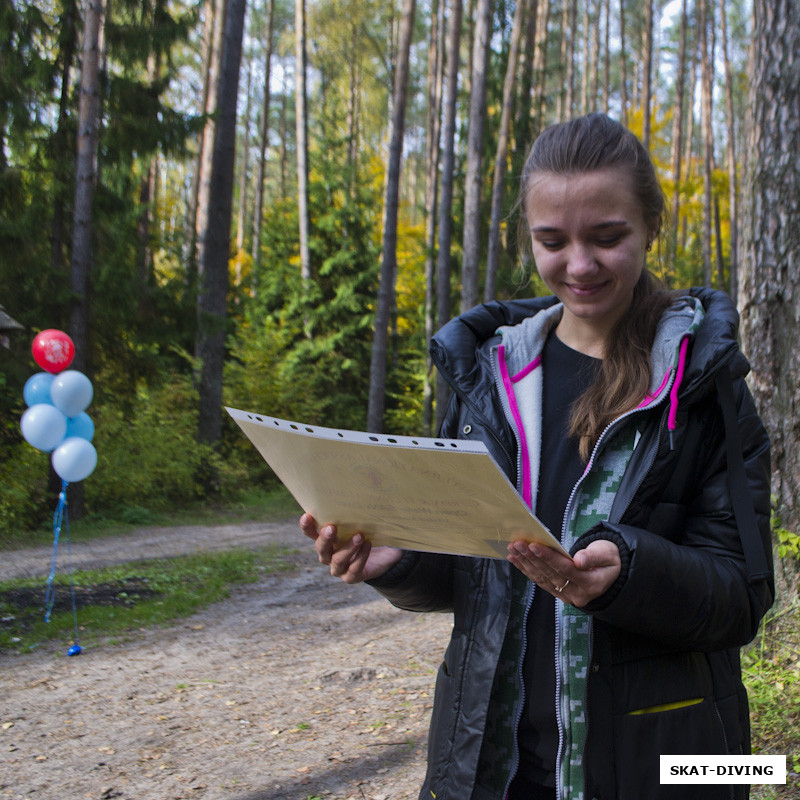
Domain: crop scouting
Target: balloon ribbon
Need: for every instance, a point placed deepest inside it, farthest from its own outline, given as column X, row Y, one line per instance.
column 61, row 520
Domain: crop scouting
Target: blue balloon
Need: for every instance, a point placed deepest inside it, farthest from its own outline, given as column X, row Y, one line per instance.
column 37, row 389
column 43, row 426
column 81, row 426
column 71, row 392
column 74, row 459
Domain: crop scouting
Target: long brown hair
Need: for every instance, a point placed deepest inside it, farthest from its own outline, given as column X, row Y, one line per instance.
column 586, row 144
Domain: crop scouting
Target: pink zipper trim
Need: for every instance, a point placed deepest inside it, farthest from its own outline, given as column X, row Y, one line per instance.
column 530, row 368
column 650, row 397
column 508, row 385
column 673, row 393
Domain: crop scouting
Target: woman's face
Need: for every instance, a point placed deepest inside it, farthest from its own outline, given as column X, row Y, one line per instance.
column 589, row 242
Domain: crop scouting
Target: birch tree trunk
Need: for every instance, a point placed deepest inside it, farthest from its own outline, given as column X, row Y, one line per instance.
column 769, row 277
column 383, row 311
column 472, row 189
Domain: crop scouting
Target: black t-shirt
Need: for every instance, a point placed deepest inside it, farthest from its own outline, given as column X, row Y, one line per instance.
column 566, row 375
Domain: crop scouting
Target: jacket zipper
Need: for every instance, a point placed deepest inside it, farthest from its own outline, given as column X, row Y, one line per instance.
column 567, row 513
column 466, row 401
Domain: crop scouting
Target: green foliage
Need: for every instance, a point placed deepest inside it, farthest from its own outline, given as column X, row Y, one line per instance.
column 302, row 349
column 123, row 599
column 149, row 453
column 788, row 542
column 771, row 671
column 25, row 497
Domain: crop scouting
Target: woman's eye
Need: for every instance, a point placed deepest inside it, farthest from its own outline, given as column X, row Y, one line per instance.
column 608, row 241
column 550, row 244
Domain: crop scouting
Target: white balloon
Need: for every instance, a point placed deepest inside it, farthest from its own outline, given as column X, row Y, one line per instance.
column 43, row 426
column 74, row 459
column 71, row 392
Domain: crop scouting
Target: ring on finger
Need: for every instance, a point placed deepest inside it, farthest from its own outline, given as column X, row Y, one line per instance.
column 560, row 589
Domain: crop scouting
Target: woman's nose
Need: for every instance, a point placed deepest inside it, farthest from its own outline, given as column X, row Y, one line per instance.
column 582, row 260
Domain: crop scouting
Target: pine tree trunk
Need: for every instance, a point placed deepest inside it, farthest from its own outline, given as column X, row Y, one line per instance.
column 472, row 189
column 432, row 158
column 301, row 122
column 594, row 66
column 623, row 64
column 244, row 172
column 85, row 177
column 707, row 131
column 446, row 202
column 216, row 250
column 501, row 157
column 677, row 137
column 606, row 56
column 263, row 134
column 769, row 278
column 67, row 23
column 214, row 58
column 383, row 311
column 733, row 186
column 647, row 73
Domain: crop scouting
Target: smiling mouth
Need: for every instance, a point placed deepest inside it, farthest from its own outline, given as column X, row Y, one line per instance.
column 585, row 291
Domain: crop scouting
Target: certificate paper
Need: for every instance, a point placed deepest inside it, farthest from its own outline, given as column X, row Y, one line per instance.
column 434, row 495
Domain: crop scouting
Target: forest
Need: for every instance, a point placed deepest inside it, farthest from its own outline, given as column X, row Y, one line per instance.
column 273, row 206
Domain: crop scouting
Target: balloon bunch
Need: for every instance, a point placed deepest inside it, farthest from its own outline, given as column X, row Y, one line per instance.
column 56, row 422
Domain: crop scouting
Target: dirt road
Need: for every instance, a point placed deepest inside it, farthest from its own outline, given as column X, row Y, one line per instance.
column 296, row 687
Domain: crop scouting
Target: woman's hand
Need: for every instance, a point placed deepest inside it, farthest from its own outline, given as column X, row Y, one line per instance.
column 577, row 580
column 353, row 561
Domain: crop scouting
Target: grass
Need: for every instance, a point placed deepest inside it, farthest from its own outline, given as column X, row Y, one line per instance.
column 123, row 600
column 274, row 503
column 771, row 670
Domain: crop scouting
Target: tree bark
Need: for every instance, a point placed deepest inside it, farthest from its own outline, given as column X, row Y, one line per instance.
column 708, row 140
column 677, row 137
column 623, row 65
column 432, row 158
column 647, row 73
column 215, row 249
column 733, row 185
column 263, row 137
column 244, row 172
column 85, row 177
column 214, row 58
column 377, row 377
column 67, row 25
column 501, row 157
column 472, row 190
column 769, row 277
column 301, row 122
column 446, row 202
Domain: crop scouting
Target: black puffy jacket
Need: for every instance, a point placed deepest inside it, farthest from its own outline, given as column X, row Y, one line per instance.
column 687, row 599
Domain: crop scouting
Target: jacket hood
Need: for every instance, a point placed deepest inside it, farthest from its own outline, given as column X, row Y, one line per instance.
column 713, row 323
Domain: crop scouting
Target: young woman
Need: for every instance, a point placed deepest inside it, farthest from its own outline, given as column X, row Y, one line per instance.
column 621, row 413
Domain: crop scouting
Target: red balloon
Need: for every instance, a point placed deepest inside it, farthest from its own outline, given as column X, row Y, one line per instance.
column 53, row 350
